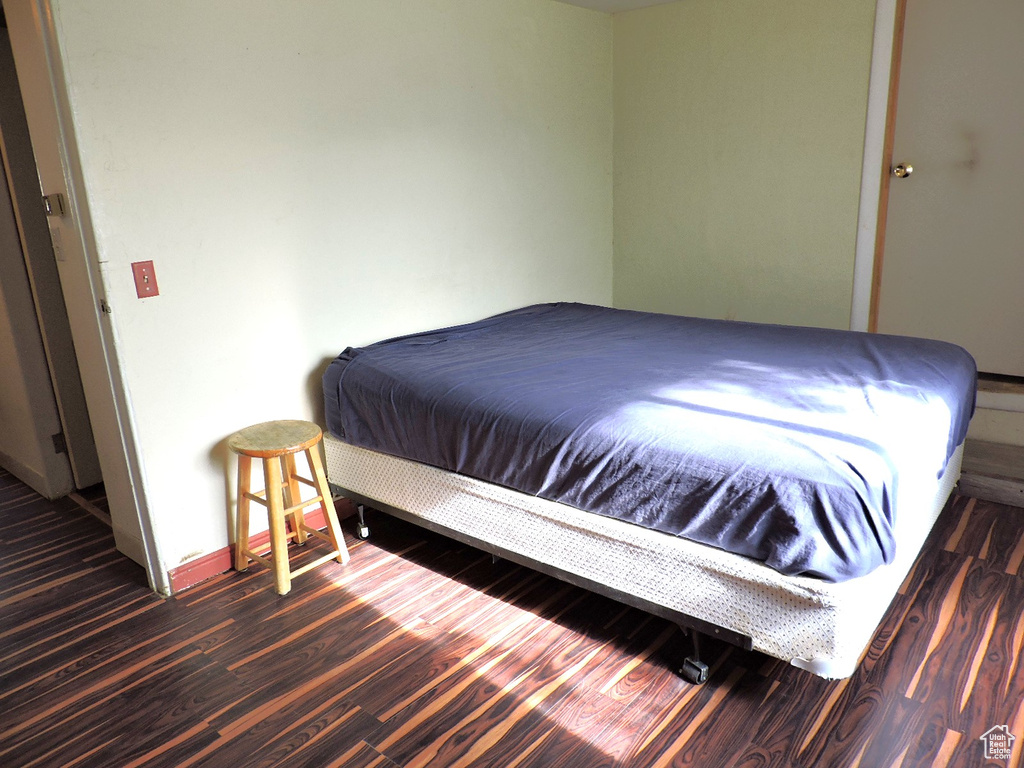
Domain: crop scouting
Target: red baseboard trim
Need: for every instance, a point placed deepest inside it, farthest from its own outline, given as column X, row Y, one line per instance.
column 214, row 563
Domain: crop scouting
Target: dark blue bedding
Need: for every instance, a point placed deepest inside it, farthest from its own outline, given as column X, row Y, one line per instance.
column 780, row 443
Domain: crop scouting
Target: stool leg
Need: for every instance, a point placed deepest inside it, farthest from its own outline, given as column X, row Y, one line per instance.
column 278, row 536
column 294, row 497
column 242, row 518
column 333, row 529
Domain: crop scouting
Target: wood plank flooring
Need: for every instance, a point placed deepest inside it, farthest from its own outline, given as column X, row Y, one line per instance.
column 422, row 652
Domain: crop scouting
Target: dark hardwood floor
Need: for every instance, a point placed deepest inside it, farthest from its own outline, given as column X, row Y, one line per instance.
column 422, row 652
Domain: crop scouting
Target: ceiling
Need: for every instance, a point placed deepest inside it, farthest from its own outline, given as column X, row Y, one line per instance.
column 612, row 6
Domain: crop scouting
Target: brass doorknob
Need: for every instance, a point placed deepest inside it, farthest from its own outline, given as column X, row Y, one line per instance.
column 902, row 170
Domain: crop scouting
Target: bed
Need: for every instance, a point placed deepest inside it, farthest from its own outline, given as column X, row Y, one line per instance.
column 767, row 485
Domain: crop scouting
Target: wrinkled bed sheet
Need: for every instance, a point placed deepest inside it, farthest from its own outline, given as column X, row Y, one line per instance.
column 780, row 443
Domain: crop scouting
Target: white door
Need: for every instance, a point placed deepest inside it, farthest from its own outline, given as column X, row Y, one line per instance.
column 29, row 421
column 28, row 253
column 953, row 264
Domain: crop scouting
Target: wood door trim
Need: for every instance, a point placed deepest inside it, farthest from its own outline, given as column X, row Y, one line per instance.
column 887, row 151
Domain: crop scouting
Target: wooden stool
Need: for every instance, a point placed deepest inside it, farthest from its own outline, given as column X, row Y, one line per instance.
column 276, row 443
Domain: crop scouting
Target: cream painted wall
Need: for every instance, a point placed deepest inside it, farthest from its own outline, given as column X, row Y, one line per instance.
column 316, row 175
column 739, row 133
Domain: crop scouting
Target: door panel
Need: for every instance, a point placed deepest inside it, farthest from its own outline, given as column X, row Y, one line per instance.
column 28, row 409
column 953, row 265
column 36, row 258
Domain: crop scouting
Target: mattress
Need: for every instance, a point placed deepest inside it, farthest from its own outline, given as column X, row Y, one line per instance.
column 785, row 445
column 814, row 624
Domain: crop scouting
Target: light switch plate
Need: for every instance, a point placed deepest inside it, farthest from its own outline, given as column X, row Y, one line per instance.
column 145, row 279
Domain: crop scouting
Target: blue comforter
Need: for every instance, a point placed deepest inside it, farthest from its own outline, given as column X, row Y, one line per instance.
column 783, row 444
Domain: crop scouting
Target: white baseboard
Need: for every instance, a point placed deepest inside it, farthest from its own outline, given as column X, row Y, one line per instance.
column 1001, row 401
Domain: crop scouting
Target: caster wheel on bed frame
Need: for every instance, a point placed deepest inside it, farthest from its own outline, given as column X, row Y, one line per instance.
column 694, row 671
column 362, row 530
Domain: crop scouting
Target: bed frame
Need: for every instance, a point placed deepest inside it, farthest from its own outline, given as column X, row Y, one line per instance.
column 815, row 625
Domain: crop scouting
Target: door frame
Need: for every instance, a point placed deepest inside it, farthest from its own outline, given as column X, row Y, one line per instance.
column 886, row 164
column 879, row 132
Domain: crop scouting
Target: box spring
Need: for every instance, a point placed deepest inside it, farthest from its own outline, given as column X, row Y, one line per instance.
column 816, row 625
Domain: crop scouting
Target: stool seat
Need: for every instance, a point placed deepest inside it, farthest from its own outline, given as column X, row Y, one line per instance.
column 276, row 443
column 275, row 438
